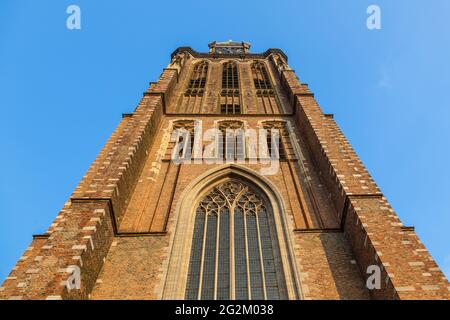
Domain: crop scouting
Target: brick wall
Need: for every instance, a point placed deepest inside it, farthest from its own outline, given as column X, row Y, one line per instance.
column 118, row 225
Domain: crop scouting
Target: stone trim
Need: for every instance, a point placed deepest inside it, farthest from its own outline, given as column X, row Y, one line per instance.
column 176, row 274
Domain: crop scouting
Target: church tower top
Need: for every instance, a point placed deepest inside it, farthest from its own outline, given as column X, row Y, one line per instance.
column 229, row 47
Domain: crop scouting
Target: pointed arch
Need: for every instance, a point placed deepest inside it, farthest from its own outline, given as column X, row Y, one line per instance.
column 230, row 97
column 193, row 98
column 265, row 92
column 182, row 239
column 198, row 79
column 261, row 77
column 232, row 143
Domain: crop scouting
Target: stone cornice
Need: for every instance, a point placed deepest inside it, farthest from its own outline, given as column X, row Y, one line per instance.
column 196, row 54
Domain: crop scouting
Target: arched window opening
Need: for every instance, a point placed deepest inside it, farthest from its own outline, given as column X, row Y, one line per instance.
column 265, row 93
column 192, row 100
column 260, row 76
column 229, row 99
column 235, row 252
column 231, row 140
column 284, row 147
column 197, row 83
column 182, row 146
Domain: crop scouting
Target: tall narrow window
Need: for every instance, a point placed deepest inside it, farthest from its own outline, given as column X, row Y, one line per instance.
column 282, row 148
column 197, row 82
column 265, row 93
column 260, row 76
column 232, row 140
column 235, row 252
column 192, row 100
column 182, row 142
column 229, row 99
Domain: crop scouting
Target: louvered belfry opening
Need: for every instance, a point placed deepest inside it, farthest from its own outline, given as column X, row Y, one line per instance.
column 230, row 98
column 235, row 252
column 265, row 93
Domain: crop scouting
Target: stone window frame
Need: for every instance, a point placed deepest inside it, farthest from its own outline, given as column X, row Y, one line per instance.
column 221, row 206
column 196, row 139
column 230, row 93
column 267, row 96
column 174, row 279
column 196, row 86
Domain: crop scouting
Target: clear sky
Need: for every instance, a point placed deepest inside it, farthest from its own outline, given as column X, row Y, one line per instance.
column 62, row 92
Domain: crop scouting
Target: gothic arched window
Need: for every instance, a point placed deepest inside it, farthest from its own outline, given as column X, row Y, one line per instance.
column 192, row 100
column 231, row 140
column 197, row 82
column 230, row 95
column 260, row 76
column 281, row 147
column 265, row 93
column 181, row 144
column 235, row 252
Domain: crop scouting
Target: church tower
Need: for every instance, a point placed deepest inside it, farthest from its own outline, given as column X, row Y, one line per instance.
column 227, row 182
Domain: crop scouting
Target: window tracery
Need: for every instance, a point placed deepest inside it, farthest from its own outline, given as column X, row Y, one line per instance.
column 230, row 94
column 234, row 252
column 265, row 93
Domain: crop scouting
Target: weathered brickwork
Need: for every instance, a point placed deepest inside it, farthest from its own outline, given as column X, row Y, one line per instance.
column 133, row 269
column 328, row 268
column 80, row 236
column 120, row 225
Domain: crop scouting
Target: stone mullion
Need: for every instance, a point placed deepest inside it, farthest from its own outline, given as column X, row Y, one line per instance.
column 232, row 252
column 246, row 256
column 202, row 260
column 263, row 100
column 198, row 74
column 260, row 97
column 261, row 257
column 274, row 110
column 265, row 96
column 216, row 268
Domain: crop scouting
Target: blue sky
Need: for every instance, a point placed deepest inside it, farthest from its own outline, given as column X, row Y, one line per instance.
column 63, row 92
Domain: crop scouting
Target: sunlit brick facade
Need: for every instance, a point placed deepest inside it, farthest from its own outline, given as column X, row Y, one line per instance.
column 141, row 226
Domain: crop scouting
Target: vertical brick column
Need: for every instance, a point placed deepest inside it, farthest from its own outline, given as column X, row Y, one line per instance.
column 373, row 229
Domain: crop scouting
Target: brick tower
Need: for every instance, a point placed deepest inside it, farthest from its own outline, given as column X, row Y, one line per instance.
column 227, row 182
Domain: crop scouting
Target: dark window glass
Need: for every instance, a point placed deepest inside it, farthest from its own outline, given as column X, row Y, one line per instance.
column 257, row 274
column 209, row 266
column 260, row 76
column 272, row 146
column 196, row 257
column 197, row 82
column 223, row 268
column 230, row 109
